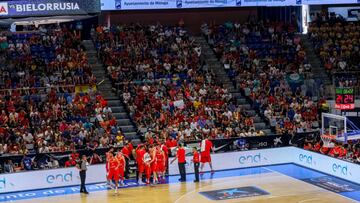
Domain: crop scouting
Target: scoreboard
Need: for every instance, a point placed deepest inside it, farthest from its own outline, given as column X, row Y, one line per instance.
column 345, row 98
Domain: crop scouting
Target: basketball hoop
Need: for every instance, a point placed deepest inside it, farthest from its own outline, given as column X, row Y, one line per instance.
column 327, row 140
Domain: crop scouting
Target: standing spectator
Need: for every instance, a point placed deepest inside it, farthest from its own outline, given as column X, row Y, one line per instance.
column 9, row 167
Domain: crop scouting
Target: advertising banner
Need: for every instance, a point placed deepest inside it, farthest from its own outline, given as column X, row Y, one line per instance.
column 329, row 165
column 179, row 4
column 23, row 8
column 41, row 179
column 249, row 143
column 243, row 159
column 233, row 160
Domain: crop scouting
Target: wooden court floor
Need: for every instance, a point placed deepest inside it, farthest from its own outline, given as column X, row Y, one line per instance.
column 282, row 189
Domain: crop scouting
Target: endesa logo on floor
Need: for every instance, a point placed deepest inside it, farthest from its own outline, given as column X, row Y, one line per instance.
column 4, row 8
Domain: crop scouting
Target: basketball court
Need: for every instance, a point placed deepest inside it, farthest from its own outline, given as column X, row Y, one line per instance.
column 277, row 183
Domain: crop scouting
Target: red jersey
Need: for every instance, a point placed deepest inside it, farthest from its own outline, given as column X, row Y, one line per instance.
column 180, row 154
column 121, row 160
column 113, row 164
column 208, row 147
column 196, row 157
column 160, row 157
column 125, row 150
column 140, row 155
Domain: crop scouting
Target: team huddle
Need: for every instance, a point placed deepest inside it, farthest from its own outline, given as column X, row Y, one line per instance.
column 151, row 161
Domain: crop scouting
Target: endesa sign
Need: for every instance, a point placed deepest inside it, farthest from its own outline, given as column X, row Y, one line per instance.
column 41, row 179
column 283, row 155
column 22, row 8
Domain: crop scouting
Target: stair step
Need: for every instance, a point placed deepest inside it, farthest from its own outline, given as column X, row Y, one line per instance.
column 124, row 122
column 131, row 135
column 260, row 126
column 121, row 115
column 246, row 106
column 110, row 97
column 127, row 128
column 118, row 109
column 114, row 103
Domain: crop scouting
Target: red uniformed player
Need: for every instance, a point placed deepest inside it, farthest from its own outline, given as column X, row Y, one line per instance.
column 196, row 161
column 114, row 165
column 107, row 157
column 121, row 170
column 206, row 148
column 160, row 163
column 153, row 164
column 147, row 166
column 140, row 151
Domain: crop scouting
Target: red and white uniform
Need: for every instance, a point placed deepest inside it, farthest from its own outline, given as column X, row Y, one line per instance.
column 139, row 159
column 121, row 169
column 206, row 146
column 160, row 161
column 147, row 165
column 165, row 149
column 107, row 162
column 153, row 161
column 113, row 169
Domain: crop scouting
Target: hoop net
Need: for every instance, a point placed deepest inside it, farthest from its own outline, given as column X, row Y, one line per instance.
column 327, row 140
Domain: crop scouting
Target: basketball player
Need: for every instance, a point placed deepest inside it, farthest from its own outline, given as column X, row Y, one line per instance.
column 121, row 171
column 153, row 164
column 206, row 148
column 147, row 163
column 107, row 158
column 140, row 151
column 165, row 149
column 113, row 170
column 160, row 163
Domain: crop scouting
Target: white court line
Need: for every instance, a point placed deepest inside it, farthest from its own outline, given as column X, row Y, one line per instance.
column 309, row 184
column 309, row 200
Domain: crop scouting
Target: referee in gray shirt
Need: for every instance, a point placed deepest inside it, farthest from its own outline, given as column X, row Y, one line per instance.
column 82, row 166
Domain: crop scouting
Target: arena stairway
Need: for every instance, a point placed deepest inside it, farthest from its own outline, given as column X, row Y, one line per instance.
column 317, row 68
column 217, row 68
column 105, row 87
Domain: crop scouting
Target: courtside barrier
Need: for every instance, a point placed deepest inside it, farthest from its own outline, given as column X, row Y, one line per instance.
column 41, row 179
column 243, row 159
column 44, row 179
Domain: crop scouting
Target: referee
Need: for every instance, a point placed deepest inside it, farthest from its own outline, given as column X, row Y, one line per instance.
column 82, row 166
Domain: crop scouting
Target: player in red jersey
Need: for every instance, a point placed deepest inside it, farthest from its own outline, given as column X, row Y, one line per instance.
column 113, row 170
column 206, row 148
column 126, row 151
column 165, row 149
column 140, row 151
column 147, row 163
column 160, row 163
column 107, row 158
column 153, row 164
column 121, row 171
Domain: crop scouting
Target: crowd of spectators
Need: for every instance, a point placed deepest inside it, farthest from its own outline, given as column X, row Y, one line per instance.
column 336, row 42
column 268, row 62
column 346, row 151
column 40, row 109
column 168, row 89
